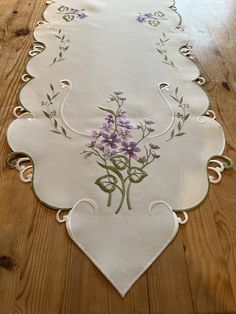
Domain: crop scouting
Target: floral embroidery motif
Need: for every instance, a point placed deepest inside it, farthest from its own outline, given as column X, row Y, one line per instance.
column 163, row 51
column 182, row 115
column 118, row 153
column 152, row 18
column 69, row 14
column 51, row 113
column 63, row 47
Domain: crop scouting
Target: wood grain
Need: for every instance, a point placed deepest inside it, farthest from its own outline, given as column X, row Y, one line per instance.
column 41, row 269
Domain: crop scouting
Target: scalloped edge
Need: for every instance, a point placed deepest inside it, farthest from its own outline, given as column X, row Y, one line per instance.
column 194, row 81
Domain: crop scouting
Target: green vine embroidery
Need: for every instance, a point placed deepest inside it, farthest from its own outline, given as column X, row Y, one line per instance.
column 63, row 47
column 51, row 113
column 69, row 14
column 119, row 155
column 182, row 115
column 163, row 51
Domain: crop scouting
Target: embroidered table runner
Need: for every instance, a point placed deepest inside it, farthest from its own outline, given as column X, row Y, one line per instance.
column 113, row 125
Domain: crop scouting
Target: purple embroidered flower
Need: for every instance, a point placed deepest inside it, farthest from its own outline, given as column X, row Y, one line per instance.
column 141, row 18
column 125, row 124
column 91, row 144
column 79, row 13
column 109, row 119
column 122, row 113
column 106, row 153
column 154, row 146
column 149, row 121
column 110, row 140
column 107, row 127
column 130, row 148
column 95, row 134
column 150, row 129
column 125, row 134
column 100, row 146
column 118, row 92
column 142, row 159
column 82, row 15
column 155, row 155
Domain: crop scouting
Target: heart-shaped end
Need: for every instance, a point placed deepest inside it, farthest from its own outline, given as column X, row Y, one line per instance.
column 122, row 246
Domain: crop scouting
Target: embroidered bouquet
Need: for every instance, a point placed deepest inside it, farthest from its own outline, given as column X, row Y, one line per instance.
column 121, row 157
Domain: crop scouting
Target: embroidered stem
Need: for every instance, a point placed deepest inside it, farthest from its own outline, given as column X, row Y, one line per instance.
column 128, row 196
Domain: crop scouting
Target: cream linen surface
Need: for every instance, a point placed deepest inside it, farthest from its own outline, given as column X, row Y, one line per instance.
column 113, row 46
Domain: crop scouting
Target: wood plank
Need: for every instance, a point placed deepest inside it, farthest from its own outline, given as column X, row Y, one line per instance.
column 168, row 278
column 42, row 270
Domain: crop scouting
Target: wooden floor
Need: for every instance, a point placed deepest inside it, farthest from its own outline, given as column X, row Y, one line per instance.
column 43, row 272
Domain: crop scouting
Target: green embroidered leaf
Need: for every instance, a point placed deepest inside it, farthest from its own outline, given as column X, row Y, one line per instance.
column 66, row 48
column 46, row 115
column 54, row 60
column 60, row 54
column 48, row 97
column 107, row 110
column 186, row 117
column 172, row 134
column 181, row 99
column 54, row 96
column 176, row 99
column 136, row 175
column 159, row 14
column 180, row 134
column 52, row 88
column 179, row 126
column 176, row 91
column 64, row 131
column 120, row 162
column 107, row 183
column 68, row 18
column 63, row 8
column 59, row 32
column 55, row 131
column 154, row 23
column 57, row 36
column 55, row 123
column 165, row 58
column 160, row 51
column 113, row 169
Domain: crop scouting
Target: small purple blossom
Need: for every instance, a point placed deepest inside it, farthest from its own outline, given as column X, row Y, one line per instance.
column 109, row 119
column 125, row 134
column 79, row 13
column 107, row 127
column 150, row 129
column 100, row 146
column 154, row 146
column 125, row 124
column 149, row 121
column 141, row 18
column 121, row 113
column 110, row 140
column 142, row 159
column 155, row 155
column 95, row 134
column 130, row 148
column 91, row 144
column 118, row 92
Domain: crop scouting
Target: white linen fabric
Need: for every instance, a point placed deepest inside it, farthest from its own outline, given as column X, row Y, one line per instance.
column 116, row 122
